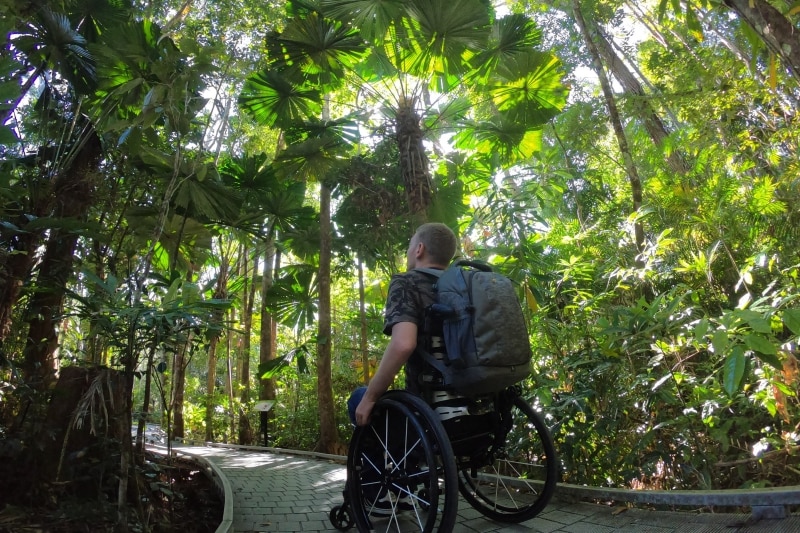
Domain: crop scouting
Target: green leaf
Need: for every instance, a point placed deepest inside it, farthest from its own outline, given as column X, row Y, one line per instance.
column 733, row 370
column 700, row 330
column 318, row 50
column 528, row 88
column 759, row 324
column 9, row 91
column 444, row 34
column 372, row 17
column 791, row 319
column 764, row 349
column 720, row 341
column 760, row 344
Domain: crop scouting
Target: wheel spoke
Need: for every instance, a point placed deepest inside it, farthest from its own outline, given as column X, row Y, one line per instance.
column 392, row 485
column 502, row 488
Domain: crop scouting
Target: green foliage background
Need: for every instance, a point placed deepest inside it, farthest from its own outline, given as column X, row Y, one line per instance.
column 669, row 363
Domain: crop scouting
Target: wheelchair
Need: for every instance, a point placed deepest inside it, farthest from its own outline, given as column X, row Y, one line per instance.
column 406, row 468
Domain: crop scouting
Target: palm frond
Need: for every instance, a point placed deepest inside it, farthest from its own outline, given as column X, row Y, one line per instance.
column 445, row 34
column 273, row 101
column 511, row 35
column 528, row 88
column 372, row 17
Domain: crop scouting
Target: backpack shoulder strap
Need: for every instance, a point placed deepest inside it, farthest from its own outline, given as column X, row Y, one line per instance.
column 477, row 265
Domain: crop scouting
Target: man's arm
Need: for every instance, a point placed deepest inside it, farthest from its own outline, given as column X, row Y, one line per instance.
column 400, row 347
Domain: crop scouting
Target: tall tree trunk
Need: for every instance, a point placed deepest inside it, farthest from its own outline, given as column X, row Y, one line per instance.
column 732, row 46
column 413, row 161
column 633, row 88
column 267, row 345
column 250, row 296
column 362, row 315
column 220, row 293
column 124, row 420
column 179, row 364
column 148, row 383
column 616, row 122
column 74, row 193
column 229, row 383
column 777, row 32
column 245, row 431
column 15, row 268
column 211, row 381
column 328, row 437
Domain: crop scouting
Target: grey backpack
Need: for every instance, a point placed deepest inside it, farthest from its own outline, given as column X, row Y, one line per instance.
column 485, row 336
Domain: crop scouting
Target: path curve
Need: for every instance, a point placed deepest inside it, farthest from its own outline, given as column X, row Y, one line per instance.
column 294, row 492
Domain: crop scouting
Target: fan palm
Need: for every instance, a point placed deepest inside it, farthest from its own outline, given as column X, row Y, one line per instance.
column 50, row 42
column 445, row 65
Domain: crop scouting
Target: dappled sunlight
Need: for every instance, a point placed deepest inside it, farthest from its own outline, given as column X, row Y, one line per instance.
column 232, row 459
column 254, row 461
column 337, row 476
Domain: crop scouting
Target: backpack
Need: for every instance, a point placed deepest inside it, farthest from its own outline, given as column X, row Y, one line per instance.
column 486, row 345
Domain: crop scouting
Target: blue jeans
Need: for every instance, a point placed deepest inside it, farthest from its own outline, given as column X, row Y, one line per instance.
column 353, row 401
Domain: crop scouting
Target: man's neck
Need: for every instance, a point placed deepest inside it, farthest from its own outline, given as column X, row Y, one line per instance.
column 425, row 264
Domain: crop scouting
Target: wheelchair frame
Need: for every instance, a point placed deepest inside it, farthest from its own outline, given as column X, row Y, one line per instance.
column 406, row 468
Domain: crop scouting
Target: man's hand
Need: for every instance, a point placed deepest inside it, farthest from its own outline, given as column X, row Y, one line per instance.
column 363, row 411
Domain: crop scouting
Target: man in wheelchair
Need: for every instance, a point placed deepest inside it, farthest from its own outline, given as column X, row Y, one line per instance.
column 414, row 451
column 410, row 294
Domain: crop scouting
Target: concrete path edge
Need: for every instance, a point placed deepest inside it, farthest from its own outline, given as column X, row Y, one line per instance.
column 220, row 481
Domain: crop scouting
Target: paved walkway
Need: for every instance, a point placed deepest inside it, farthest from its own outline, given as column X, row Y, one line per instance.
column 276, row 492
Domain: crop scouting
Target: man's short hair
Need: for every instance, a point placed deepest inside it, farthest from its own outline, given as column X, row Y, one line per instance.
column 439, row 240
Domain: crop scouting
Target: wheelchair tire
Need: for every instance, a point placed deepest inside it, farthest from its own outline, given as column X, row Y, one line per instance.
column 341, row 518
column 401, row 473
column 520, row 479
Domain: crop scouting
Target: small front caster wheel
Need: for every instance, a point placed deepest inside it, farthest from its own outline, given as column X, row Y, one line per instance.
column 340, row 517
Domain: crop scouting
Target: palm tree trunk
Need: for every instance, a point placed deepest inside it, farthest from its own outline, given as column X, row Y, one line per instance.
column 230, row 380
column 179, row 364
column 249, row 294
column 211, row 381
column 245, row 431
column 148, row 383
column 74, row 193
column 413, row 161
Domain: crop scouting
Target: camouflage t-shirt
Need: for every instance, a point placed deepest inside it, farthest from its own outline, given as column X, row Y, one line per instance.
column 410, row 294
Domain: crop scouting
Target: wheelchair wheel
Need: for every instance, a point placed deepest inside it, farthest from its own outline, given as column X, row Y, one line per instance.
column 340, row 517
column 516, row 480
column 401, row 473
